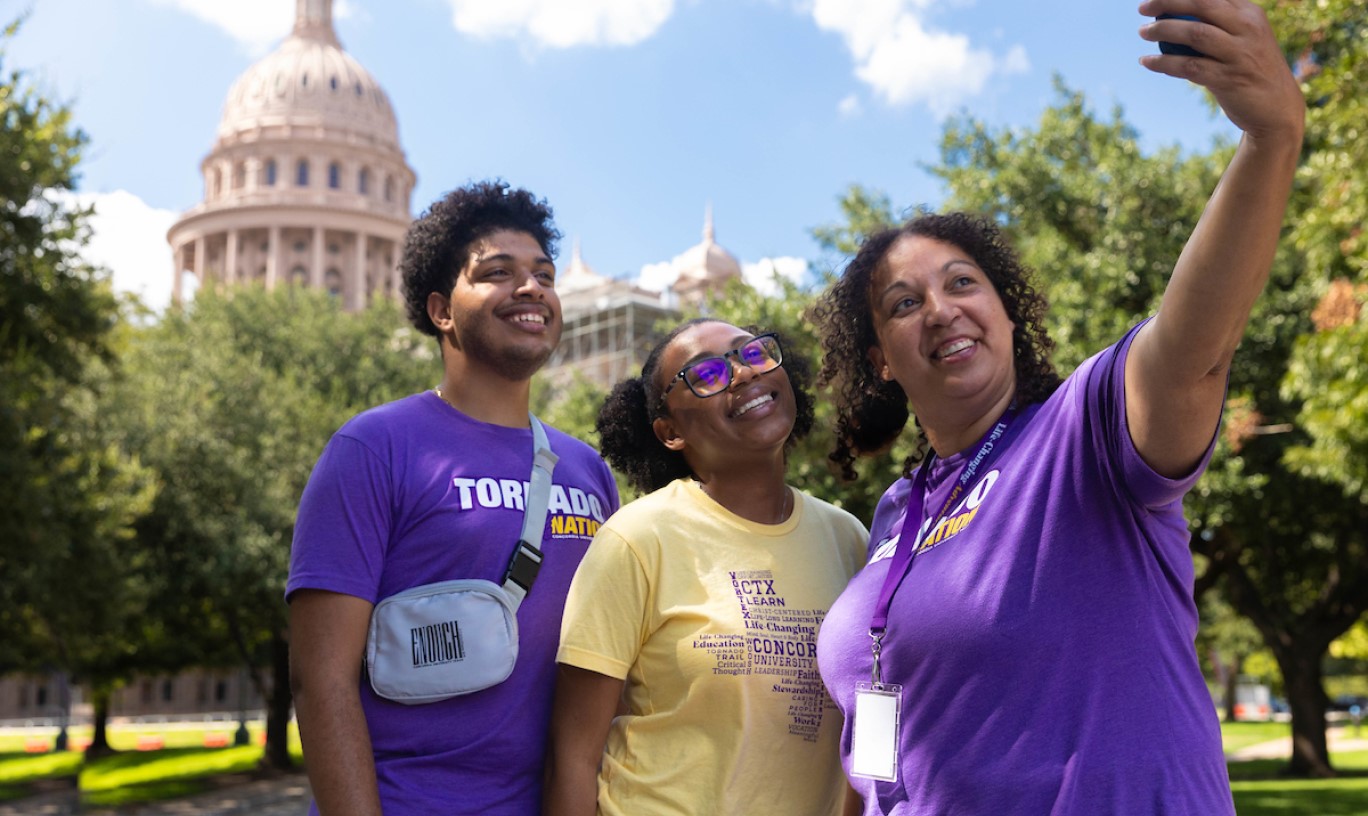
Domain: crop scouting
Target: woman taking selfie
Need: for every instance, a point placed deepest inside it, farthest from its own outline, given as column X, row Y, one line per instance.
column 1022, row 639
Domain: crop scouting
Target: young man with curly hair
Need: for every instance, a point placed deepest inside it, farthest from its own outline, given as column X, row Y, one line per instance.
column 431, row 488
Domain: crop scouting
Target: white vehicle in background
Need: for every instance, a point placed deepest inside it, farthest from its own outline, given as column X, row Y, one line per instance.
column 1253, row 702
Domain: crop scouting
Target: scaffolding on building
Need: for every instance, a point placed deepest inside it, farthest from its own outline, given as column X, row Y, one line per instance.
column 608, row 331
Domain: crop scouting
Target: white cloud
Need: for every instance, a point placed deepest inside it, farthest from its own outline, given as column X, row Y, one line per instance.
column 344, row 10
column 562, row 23
column 850, row 106
column 255, row 24
column 763, row 274
column 129, row 237
column 904, row 60
column 657, row 277
column 1016, row 61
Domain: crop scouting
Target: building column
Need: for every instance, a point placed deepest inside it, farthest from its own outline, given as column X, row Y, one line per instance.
column 356, row 290
column 272, row 257
column 396, row 279
column 316, row 259
column 178, row 262
column 230, row 255
column 199, row 261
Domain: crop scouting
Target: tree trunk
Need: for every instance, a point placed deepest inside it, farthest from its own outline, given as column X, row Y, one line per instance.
column 1301, row 670
column 1298, row 639
column 99, row 741
column 277, row 754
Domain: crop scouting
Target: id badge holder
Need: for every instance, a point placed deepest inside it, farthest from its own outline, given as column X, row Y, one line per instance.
column 874, row 733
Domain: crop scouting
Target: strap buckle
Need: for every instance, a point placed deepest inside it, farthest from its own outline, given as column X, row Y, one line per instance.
column 523, row 568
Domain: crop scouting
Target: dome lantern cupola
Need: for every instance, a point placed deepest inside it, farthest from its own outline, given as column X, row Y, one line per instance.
column 704, row 268
column 313, row 21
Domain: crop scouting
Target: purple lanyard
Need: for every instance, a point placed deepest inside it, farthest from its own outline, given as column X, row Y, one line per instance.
column 994, row 442
column 916, row 505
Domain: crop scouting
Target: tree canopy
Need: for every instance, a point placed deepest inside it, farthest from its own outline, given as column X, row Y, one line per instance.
column 71, row 492
column 230, row 402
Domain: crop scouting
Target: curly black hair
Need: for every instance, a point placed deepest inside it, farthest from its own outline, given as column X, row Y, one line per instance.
column 871, row 412
column 627, row 440
column 438, row 243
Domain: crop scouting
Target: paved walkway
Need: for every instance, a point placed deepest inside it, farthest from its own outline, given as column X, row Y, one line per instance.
column 1281, row 748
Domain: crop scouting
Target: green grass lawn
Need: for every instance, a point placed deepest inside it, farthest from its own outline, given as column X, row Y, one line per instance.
column 23, row 768
column 20, row 772
column 144, row 776
column 1260, row 792
column 179, row 767
column 184, row 766
column 1237, row 735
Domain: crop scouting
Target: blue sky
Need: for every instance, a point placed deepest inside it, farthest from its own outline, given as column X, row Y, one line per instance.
column 629, row 116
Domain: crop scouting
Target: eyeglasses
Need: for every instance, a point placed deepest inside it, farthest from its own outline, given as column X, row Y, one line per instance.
column 711, row 376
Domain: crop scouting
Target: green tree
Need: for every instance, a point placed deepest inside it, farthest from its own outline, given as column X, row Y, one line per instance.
column 71, row 594
column 570, row 407
column 1328, row 375
column 231, row 401
column 864, row 212
column 573, row 409
column 1295, row 555
column 1353, row 644
column 1329, row 369
column 1226, row 642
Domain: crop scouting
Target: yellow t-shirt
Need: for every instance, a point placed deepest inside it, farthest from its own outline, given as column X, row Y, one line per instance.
column 712, row 620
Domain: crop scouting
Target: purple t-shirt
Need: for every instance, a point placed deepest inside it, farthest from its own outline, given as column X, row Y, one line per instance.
column 414, row 492
column 1045, row 647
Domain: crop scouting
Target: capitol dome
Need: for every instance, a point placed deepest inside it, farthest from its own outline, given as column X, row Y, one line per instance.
column 306, row 183
column 310, row 82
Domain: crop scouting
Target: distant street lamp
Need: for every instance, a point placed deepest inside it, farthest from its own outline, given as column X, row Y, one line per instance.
column 64, row 710
column 242, row 737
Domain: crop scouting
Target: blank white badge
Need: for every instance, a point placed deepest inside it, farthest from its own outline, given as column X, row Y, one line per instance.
column 874, row 734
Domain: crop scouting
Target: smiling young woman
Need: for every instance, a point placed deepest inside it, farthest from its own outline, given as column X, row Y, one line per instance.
column 697, row 606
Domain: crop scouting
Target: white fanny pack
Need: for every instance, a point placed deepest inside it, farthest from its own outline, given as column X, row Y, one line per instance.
column 441, row 640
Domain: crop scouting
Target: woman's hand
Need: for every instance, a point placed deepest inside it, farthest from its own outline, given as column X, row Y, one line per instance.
column 1243, row 65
